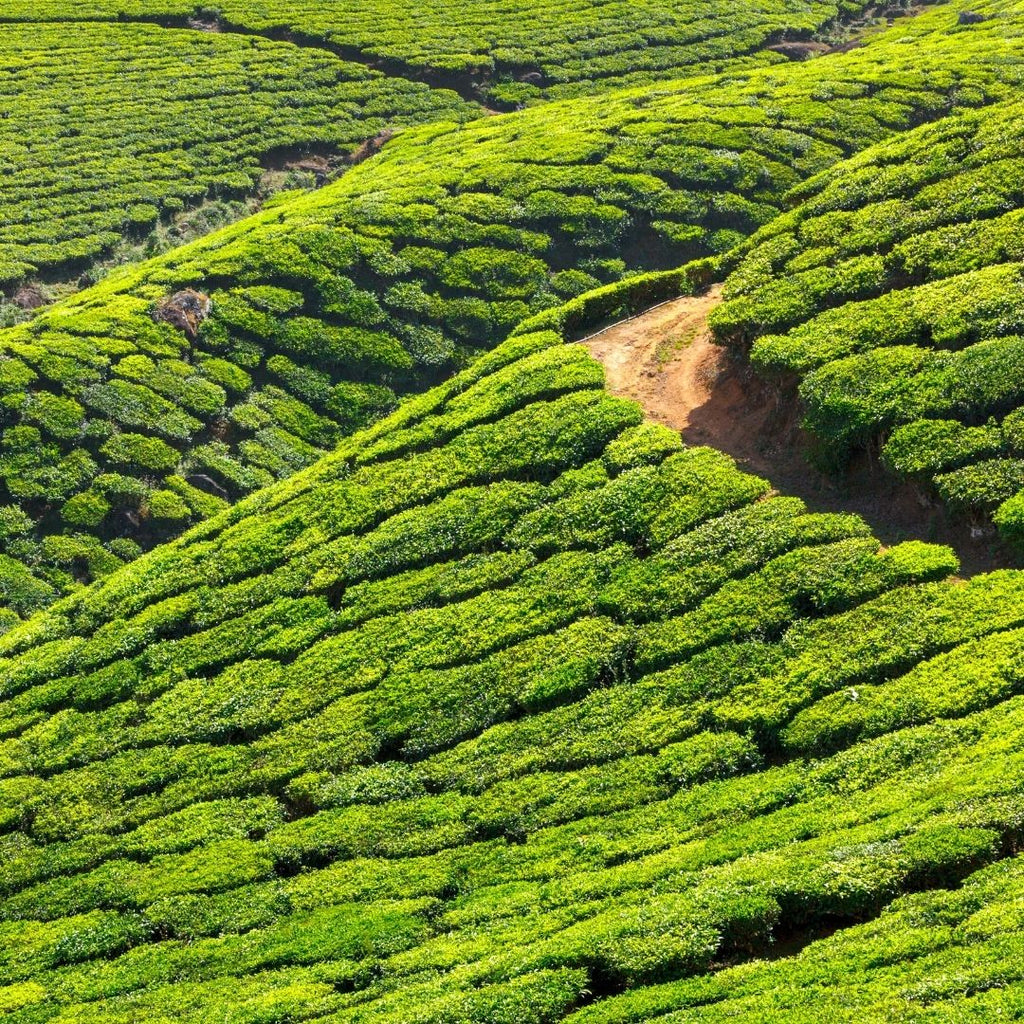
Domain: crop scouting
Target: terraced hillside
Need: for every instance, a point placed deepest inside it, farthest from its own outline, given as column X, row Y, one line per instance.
column 505, row 54
column 125, row 421
column 104, row 129
column 513, row 707
column 950, row 955
column 894, row 293
column 115, row 117
column 363, row 659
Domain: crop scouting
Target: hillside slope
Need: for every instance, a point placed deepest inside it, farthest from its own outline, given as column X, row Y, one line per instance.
column 115, row 117
column 510, row 705
column 120, row 431
column 893, row 292
column 499, row 53
column 107, row 130
column 364, row 659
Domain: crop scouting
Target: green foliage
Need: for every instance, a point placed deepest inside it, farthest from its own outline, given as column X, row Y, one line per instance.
column 88, row 154
column 138, row 450
column 565, row 52
column 508, row 700
column 505, row 705
column 927, row 446
column 893, row 290
column 277, row 88
column 326, row 306
column 87, row 509
column 915, row 948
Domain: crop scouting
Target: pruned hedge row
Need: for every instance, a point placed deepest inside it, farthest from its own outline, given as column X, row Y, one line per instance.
column 134, row 112
column 910, row 954
column 509, row 54
column 894, row 292
column 511, row 703
column 122, row 422
column 107, row 129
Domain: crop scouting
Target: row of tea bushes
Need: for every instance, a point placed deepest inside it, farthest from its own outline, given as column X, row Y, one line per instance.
column 508, row 54
column 902, row 964
column 401, row 738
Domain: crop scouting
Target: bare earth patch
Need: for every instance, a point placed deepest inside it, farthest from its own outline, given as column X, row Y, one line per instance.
column 666, row 360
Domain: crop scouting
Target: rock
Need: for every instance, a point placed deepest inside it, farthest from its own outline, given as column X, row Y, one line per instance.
column 532, row 77
column 29, row 296
column 798, row 50
column 369, row 148
column 185, row 310
column 971, row 18
column 200, row 24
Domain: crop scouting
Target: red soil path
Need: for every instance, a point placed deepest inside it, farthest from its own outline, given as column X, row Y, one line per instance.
column 666, row 360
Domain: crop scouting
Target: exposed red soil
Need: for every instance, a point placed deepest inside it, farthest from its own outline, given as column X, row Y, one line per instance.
column 666, row 360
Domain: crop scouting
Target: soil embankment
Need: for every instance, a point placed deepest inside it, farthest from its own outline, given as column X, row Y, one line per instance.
column 666, row 360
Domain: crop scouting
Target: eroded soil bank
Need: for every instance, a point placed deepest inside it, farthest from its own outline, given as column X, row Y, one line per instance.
column 666, row 360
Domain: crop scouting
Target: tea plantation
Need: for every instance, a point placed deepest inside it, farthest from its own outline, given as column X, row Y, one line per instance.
column 119, row 430
column 510, row 705
column 363, row 658
column 104, row 129
column 113, row 123
column 894, row 292
column 114, row 117
column 504, row 53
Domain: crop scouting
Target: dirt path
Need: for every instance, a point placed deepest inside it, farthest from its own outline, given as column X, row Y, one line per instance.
column 666, row 360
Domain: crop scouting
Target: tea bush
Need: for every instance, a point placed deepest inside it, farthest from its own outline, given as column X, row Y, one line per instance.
column 511, row 708
column 508, row 55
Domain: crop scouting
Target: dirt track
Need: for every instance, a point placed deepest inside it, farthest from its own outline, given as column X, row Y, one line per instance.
column 666, row 360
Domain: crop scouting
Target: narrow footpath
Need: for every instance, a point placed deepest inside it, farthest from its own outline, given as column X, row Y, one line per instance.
column 667, row 360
